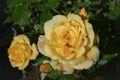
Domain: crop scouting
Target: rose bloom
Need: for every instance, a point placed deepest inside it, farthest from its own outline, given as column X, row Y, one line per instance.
column 70, row 40
column 21, row 52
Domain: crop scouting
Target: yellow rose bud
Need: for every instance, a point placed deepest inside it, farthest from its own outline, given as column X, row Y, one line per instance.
column 96, row 40
column 83, row 13
column 45, row 68
column 21, row 52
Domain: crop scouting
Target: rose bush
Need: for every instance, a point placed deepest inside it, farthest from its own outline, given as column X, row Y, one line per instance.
column 70, row 40
column 21, row 52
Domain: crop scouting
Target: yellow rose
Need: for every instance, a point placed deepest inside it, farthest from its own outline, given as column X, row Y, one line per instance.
column 70, row 40
column 21, row 52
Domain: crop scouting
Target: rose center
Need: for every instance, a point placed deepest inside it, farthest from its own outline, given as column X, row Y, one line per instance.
column 65, row 40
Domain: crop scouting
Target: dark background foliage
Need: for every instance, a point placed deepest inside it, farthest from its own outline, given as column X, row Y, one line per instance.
column 106, row 23
column 6, row 71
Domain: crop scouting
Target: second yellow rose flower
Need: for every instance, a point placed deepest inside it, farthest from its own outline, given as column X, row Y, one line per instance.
column 21, row 52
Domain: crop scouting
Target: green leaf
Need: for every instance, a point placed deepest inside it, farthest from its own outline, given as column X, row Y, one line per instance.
column 37, row 27
column 53, row 3
column 85, row 4
column 43, row 7
column 91, row 15
column 102, row 62
column 43, row 75
column 114, row 14
column 109, row 56
column 106, row 58
column 45, row 16
column 34, row 1
column 41, row 29
column 39, row 60
column 75, row 9
column 21, row 15
column 68, row 77
column 65, row 13
column 114, row 10
column 54, row 74
column 47, row 5
column 54, row 63
column 13, row 3
column 8, row 19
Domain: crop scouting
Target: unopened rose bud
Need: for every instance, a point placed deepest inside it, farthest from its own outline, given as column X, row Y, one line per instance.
column 96, row 40
column 45, row 68
column 83, row 13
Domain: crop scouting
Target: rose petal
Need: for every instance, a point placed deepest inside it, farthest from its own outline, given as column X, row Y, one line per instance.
column 93, row 53
column 48, row 26
column 69, row 56
column 90, row 32
column 21, row 38
column 22, row 66
column 85, row 65
column 44, row 48
column 41, row 43
column 49, row 52
column 35, row 52
column 65, row 68
column 13, row 64
column 78, row 19
column 81, row 52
